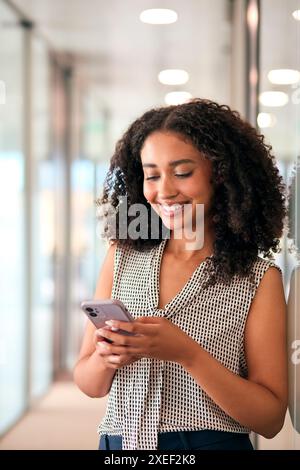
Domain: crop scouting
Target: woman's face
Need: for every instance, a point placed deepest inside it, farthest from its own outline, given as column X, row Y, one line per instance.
column 175, row 173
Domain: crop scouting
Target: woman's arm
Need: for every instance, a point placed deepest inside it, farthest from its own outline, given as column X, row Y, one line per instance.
column 91, row 374
column 260, row 401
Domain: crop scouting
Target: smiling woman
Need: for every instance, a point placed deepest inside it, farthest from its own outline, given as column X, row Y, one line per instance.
column 234, row 175
column 207, row 361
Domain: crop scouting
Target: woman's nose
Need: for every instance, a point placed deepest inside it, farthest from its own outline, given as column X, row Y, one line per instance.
column 167, row 189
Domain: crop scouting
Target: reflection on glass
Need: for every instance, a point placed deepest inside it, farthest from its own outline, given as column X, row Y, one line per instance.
column 43, row 186
column 13, row 397
column 83, row 248
column 279, row 60
column 12, row 305
column 294, row 302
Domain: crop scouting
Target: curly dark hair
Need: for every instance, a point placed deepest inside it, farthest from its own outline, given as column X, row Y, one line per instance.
column 248, row 210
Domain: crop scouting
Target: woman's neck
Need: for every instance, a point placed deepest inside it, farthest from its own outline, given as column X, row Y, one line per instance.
column 186, row 248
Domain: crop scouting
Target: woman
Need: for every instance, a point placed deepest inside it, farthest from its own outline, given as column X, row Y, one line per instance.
column 207, row 364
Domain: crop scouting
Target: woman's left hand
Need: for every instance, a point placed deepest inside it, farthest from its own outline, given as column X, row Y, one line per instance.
column 156, row 337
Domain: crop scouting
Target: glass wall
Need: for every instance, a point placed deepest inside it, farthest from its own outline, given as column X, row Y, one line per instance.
column 43, row 220
column 13, row 275
column 278, row 119
column 27, row 209
column 87, row 251
column 60, row 155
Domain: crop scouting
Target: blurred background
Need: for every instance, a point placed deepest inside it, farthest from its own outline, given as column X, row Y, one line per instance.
column 73, row 75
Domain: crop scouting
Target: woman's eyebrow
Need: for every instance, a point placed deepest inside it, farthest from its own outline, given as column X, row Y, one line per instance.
column 172, row 163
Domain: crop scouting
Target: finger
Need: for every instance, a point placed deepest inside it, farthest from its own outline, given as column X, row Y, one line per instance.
column 116, row 349
column 98, row 338
column 121, row 360
column 135, row 327
column 98, row 333
column 115, row 360
column 101, row 349
column 116, row 325
column 122, row 340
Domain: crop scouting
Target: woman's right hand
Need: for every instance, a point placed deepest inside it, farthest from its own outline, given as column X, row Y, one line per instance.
column 112, row 361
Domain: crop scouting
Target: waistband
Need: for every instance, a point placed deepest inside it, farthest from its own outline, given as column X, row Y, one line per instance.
column 190, row 439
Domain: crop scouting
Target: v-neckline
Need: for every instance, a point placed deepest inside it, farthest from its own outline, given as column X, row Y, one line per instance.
column 184, row 295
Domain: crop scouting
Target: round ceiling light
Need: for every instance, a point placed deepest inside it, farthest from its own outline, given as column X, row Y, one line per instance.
column 265, row 120
column 273, row 98
column 177, row 97
column 296, row 15
column 284, row 76
column 173, row 77
column 158, row 16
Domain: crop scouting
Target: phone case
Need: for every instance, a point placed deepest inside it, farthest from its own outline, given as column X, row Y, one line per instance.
column 100, row 311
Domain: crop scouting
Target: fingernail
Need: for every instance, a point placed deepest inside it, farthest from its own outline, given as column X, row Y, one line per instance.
column 112, row 325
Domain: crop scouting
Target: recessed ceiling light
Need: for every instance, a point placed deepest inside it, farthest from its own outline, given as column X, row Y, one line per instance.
column 284, row 76
column 266, row 120
column 158, row 16
column 296, row 15
column 177, row 97
column 173, row 77
column 273, row 98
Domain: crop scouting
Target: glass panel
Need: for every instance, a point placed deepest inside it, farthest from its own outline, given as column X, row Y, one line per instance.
column 279, row 122
column 43, row 225
column 12, row 274
column 88, row 250
column 83, row 249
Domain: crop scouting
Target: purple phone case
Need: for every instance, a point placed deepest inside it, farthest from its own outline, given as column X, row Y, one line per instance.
column 100, row 311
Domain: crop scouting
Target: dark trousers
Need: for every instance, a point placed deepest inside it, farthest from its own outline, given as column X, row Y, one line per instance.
column 189, row 440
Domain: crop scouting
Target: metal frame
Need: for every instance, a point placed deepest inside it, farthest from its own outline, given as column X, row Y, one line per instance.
column 252, row 59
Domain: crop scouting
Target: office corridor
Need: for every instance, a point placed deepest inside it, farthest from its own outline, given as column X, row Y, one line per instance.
column 74, row 74
column 65, row 419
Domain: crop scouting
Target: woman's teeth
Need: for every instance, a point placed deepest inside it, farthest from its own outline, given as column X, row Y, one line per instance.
column 172, row 209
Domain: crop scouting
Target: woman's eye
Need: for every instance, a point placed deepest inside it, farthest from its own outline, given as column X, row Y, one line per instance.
column 184, row 175
column 151, row 177
column 178, row 175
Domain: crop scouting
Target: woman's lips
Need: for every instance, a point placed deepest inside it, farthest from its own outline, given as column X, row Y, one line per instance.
column 172, row 209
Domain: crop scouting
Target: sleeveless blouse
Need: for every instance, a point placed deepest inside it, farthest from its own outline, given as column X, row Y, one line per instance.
column 151, row 396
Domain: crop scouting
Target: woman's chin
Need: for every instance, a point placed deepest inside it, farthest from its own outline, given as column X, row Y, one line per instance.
column 173, row 223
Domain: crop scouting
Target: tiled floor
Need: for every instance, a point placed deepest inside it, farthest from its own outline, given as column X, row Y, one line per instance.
column 64, row 419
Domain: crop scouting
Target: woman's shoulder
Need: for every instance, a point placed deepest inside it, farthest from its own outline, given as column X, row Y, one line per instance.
column 263, row 264
column 257, row 270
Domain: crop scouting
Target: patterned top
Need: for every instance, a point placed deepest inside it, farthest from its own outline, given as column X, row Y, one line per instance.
column 151, row 395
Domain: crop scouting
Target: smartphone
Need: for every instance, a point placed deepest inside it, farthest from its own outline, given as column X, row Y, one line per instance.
column 100, row 311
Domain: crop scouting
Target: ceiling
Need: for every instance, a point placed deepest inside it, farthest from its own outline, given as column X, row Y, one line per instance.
column 280, row 48
column 123, row 56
